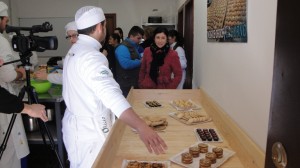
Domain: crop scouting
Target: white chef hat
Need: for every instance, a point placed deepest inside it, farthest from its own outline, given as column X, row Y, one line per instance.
column 3, row 9
column 88, row 16
column 71, row 26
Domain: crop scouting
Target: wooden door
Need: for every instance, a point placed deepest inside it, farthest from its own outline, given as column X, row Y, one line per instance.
column 285, row 102
column 189, row 42
column 110, row 22
column 180, row 21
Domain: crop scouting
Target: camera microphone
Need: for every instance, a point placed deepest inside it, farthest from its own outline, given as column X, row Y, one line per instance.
column 10, row 29
column 45, row 27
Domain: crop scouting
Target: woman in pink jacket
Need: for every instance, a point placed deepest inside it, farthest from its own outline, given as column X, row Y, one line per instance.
column 159, row 63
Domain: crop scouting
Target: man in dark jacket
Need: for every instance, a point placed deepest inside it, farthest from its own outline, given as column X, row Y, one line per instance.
column 128, row 60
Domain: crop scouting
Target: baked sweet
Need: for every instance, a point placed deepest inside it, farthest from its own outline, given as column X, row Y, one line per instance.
column 145, row 165
column 186, row 158
column 156, row 123
column 203, row 147
column 218, row 151
column 194, row 150
column 204, row 163
column 158, row 165
column 133, row 164
column 211, row 156
column 136, row 164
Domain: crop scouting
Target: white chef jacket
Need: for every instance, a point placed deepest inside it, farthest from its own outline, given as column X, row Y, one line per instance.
column 17, row 146
column 183, row 63
column 55, row 77
column 90, row 93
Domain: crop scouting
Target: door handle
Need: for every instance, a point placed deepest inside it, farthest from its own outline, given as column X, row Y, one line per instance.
column 279, row 156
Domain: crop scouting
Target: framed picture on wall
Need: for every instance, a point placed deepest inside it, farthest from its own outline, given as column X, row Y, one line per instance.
column 227, row 21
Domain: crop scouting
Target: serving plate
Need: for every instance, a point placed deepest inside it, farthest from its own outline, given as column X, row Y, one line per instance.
column 226, row 155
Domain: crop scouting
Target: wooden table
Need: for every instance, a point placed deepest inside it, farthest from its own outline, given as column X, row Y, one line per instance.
column 123, row 143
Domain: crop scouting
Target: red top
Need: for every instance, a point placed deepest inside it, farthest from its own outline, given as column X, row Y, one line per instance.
column 164, row 80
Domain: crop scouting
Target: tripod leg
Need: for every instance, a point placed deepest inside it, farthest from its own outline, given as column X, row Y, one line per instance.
column 44, row 129
column 5, row 140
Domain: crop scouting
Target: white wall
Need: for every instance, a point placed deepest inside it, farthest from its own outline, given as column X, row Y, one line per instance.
column 238, row 76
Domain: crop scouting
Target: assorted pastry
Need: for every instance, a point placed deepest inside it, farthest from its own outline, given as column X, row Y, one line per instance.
column 156, row 123
column 136, row 164
column 191, row 117
column 184, row 104
column 202, row 149
column 207, row 134
column 153, row 103
column 222, row 13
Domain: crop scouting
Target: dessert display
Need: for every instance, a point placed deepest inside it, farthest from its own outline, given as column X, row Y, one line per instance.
column 223, row 13
column 236, row 13
column 207, row 157
column 218, row 151
column 145, row 164
column 205, row 163
column 211, row 156
column 156, row 123
column 194, row 151
column 208, row 135
column 153, row 103
column 186, row 158
column 191, row 117
column 203, row 147
column 184, row 105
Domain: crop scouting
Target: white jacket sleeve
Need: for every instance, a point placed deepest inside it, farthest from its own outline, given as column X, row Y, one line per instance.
column 55, row 78
column 182, row 58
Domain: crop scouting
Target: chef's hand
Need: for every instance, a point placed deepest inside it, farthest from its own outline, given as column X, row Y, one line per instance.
column 1, row 62
column 36, row 111
column 152, row 140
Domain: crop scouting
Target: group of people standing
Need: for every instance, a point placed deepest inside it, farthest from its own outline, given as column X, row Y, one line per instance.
column 159, row 62
column 96, row 84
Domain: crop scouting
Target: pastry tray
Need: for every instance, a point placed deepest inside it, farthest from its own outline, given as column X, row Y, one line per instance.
column 166, row 163
column 199, row 139
column 173, row 115
column 226, row 155
column 146, row 105
column 193, row 107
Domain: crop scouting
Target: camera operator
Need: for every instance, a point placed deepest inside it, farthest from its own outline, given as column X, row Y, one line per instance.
column 17, row 146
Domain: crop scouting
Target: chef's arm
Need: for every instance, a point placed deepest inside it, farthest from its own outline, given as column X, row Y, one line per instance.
column 151, row 139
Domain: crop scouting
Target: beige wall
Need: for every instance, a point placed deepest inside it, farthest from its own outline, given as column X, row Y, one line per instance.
column 129, row 12
column 238, row 76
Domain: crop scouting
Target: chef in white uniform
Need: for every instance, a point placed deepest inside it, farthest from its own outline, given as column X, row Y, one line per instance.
column 93, row 97
column 17, row 146
column 56, row 77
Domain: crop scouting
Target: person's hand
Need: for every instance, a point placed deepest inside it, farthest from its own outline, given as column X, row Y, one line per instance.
column 152, row 140
column 1, row 62
column 41, row 74
column 104, row 52
column 36, row 111
column 22, row 71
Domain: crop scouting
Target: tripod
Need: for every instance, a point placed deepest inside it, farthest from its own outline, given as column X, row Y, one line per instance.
column 32, row 99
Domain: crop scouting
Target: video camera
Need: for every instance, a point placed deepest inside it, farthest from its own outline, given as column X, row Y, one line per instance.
column 25, row 44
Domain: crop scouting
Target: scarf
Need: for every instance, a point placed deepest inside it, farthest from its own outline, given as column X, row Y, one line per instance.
column 158, row 55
